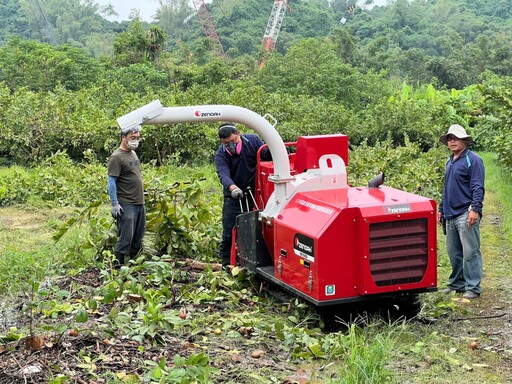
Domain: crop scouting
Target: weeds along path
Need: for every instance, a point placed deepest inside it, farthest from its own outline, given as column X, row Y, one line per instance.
column 479, row 332
column 493, row 310
column 490, row 316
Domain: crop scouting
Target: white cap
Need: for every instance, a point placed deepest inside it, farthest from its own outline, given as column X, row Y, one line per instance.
column 133, row 128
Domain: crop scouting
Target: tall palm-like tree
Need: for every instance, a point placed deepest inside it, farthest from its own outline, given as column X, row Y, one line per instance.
column 155, row 37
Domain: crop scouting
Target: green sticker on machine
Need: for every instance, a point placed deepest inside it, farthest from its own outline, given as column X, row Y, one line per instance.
column 330, row 290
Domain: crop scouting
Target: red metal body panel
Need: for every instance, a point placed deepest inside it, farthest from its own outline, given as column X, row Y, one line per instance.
column 348, row 242
column 308, row 150
column 311, row 148
column 322, row 247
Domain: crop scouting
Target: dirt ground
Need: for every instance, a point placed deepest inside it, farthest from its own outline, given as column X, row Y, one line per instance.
column 32, row 360
column 486, row 322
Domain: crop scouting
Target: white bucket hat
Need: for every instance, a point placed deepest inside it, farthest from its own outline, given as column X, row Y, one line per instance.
column 457, row 131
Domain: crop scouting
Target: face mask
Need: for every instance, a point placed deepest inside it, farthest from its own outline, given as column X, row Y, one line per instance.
column 233, row 149
column 132, row 144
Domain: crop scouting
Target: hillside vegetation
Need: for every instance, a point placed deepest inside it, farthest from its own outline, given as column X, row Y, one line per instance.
column 451, row 42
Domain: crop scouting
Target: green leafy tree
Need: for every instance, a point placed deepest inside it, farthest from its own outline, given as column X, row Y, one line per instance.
column 42, row 67
column 136, row 45
column 494, row 127
column 130, row 46
column 65, row 22
column 12, row 21
column 155, row 37
column 312, row 67
column 176, row 18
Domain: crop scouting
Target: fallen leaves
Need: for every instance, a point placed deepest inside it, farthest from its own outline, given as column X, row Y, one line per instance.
column 257, row 354
column 134, row 298
column 246, row 331
column 35, row 343
column 461, row 300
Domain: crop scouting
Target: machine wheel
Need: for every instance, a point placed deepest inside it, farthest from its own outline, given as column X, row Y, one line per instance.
column 407, row 306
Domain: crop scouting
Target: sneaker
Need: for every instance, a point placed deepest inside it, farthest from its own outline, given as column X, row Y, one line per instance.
column 470, row 295
column 448, row 290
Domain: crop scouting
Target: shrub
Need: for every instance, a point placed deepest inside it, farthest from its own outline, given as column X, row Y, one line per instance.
column 14, row 185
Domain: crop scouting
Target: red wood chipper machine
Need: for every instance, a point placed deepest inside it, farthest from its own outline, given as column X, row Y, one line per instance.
column 313, row 234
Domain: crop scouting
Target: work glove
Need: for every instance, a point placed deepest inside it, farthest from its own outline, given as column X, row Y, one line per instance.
column 116, row 211
column 237, row 193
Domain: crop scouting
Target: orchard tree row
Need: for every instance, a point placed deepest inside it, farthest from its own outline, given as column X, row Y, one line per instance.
column 60, row 99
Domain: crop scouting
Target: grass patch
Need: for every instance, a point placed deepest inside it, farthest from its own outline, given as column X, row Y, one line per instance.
column 367, row 353
column 27, row 250
column 499, row 181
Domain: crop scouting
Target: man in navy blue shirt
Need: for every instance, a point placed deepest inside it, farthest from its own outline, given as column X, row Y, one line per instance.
column 461, row 208
column 235, row 161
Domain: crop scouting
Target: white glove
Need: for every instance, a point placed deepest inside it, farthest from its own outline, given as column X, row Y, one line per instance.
column 237, row 193
column 116, row 211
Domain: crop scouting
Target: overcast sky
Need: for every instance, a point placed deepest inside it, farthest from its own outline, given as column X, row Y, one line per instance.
column 148, row 8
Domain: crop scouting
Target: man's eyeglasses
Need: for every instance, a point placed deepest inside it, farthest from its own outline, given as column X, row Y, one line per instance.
column 452, row 138
column 138, row 138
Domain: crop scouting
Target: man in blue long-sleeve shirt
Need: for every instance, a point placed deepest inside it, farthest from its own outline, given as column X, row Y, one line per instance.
column 235, row 161
column 461, row 207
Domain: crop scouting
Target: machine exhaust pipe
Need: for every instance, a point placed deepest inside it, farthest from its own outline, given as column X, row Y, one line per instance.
column 377, row 181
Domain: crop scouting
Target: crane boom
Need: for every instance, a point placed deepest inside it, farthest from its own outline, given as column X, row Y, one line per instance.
column 207, row 24
column 46, row 28
column 273, row 27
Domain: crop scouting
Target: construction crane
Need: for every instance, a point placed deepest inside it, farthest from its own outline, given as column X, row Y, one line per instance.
column 273, row 27
column 207, row 24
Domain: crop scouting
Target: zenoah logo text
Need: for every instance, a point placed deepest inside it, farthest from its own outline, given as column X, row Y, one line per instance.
column 207, row 113
column 403, row 208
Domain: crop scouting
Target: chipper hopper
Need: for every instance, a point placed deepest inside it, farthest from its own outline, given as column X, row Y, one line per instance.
column 314, row 235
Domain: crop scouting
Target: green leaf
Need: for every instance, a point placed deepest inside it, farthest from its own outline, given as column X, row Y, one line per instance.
column 92, row 304
column 61, row 328
column 62, row 293
column 109, row 295
column 82, row 316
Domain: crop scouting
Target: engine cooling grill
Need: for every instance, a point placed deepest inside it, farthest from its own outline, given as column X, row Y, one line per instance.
column 398, row 251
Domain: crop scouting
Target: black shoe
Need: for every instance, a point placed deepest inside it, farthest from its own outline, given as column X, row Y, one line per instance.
column 119, row 261
column 162, row 251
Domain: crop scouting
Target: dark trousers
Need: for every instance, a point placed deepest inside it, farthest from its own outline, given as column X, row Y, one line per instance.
column 230, row 210
column 130, row 227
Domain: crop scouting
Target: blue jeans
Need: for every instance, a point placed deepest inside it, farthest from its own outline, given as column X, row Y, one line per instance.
column 463, row 247
column 130, row 227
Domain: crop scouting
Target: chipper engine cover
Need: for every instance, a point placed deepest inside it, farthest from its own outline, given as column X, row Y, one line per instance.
column 352, row 242
column 333, row 243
